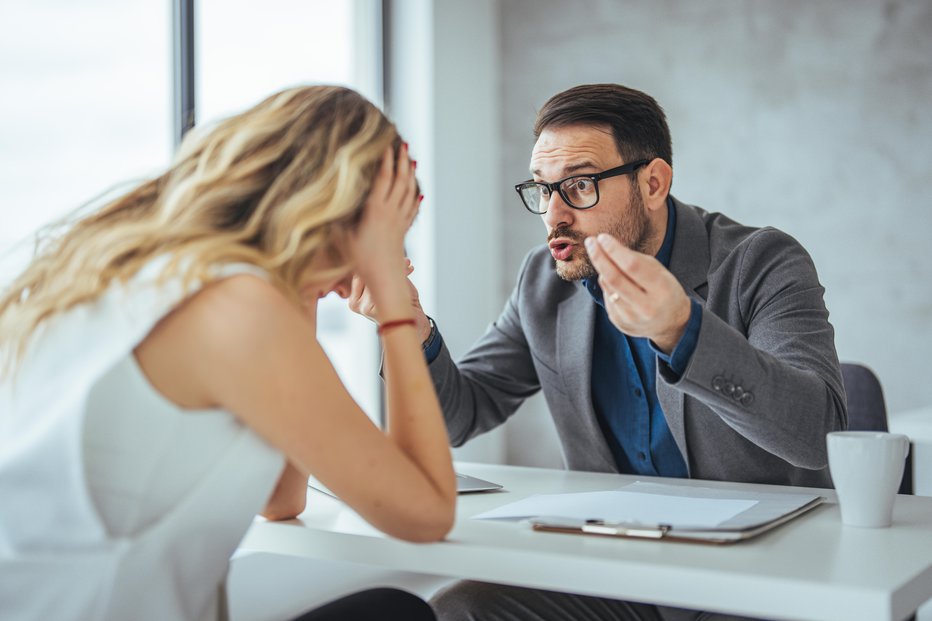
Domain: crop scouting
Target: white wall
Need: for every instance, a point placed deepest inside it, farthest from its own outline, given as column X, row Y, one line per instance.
column 810, row 116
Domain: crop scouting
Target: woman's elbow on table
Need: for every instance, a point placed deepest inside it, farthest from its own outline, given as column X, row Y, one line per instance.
column 427, row 526
column 279, row 509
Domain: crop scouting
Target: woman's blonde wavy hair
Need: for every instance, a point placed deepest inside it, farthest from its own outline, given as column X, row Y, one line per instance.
column 274, row 186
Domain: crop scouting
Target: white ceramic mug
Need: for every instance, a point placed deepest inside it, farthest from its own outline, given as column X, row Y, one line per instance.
column 866, row 468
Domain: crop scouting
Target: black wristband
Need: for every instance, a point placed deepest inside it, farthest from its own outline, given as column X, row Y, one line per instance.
column 430, row 337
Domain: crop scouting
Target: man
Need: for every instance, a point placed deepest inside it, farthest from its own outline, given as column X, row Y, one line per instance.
column 667, row 340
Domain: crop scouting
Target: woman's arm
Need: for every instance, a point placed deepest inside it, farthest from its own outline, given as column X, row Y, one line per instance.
column 290, row 496
column 240, row 345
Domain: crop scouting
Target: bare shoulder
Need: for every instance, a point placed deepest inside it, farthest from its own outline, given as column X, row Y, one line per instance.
column 241, row 311
column 241, row 296
column 227, row 336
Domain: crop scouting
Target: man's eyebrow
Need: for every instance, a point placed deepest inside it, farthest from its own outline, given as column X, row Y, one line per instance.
column 569, row 170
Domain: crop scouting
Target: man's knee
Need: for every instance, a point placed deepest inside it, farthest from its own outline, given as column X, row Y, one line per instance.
column 478, row 601
column 471, row 601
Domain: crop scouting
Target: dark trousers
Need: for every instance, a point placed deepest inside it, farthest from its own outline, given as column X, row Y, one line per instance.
column 374, row 604
column 478, row 601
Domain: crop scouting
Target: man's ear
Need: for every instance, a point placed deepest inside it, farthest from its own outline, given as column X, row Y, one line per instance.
column 655, row 182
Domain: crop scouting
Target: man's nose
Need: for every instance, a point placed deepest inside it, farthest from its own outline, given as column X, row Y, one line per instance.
column 558, row 212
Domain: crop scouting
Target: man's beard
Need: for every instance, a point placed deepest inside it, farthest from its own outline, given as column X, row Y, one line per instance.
column 632, row 229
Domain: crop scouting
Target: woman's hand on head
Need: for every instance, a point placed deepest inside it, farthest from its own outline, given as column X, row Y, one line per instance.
column 389, row 211
column 360, row 301
column 360, row 298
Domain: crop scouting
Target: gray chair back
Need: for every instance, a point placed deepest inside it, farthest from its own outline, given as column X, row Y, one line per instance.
column 867, row 410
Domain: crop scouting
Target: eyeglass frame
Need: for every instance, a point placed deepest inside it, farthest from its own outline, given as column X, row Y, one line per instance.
column 624, row 169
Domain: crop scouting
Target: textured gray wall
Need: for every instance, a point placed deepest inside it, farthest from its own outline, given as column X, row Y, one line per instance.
column 814, row 117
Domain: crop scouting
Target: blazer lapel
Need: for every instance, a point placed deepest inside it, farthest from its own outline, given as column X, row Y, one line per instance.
column 575, row 328
column 689, row 262
column 690, row 259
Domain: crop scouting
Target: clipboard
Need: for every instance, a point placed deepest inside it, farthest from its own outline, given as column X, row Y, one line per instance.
column 668, row 532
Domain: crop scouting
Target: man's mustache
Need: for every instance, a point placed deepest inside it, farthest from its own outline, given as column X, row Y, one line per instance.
column 565, row 232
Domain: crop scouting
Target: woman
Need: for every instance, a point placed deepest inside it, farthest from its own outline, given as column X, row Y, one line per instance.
column 162, row 382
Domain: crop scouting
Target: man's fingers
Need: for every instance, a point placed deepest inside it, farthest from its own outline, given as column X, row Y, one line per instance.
column 620, row 291
column 616, row 279
column 636, row 266
column 629, row 261
column 625, row 300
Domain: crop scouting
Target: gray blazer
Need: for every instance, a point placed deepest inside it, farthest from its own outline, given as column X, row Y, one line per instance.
column 762, row 388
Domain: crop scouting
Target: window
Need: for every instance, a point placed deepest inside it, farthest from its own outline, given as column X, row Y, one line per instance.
column 89, row 97
column 244, row 53
column 86, row 105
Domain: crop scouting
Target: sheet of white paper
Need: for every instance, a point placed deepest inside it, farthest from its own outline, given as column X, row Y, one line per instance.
column 625, row 507
column 769, row 505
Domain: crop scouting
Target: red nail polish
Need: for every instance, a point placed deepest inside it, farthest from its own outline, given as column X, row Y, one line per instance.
column 413, row 163
column 420, row 198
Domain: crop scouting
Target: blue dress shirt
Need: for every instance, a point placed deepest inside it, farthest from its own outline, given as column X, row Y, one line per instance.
column 624, row 390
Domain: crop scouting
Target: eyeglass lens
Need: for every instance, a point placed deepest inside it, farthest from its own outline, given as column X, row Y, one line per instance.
column 579, row 192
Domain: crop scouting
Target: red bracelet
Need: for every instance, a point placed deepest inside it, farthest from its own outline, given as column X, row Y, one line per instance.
column 388, row 325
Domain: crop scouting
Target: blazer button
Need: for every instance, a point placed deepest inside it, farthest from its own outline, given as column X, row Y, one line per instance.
column 747, row 399
column 717, row 382
column 738, row 393
column 728, row 388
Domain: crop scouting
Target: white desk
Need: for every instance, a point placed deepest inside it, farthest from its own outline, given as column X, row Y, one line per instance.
column 812, row 568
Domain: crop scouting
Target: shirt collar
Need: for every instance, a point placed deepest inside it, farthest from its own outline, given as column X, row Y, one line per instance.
column 663, row 255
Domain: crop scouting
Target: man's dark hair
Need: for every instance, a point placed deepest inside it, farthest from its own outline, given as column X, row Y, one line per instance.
column 638, row 123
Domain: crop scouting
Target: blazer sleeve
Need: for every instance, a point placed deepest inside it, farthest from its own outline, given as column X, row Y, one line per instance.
column 769, row 368
column 489, row 383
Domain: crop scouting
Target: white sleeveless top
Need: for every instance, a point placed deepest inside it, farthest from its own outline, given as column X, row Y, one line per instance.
column 115, row 503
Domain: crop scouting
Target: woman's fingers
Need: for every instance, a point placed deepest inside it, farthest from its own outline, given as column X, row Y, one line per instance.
column 412, row 206
column 390, row 208
column 384, row 180
column 404, row 189
column 400, row 169
column 359, row 300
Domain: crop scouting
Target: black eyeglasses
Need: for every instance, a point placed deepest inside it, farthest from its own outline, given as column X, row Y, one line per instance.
column 577, row 191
